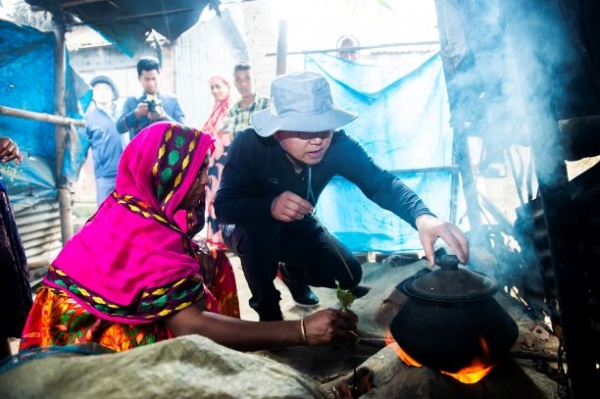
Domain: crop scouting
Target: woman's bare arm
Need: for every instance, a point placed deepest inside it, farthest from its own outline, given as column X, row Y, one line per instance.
column 323, row 327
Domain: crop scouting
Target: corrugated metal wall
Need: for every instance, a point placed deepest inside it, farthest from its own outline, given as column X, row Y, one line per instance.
column 210, row 48
column 39, row 228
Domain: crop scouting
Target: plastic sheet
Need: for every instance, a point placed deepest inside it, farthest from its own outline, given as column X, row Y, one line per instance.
column 403, row 124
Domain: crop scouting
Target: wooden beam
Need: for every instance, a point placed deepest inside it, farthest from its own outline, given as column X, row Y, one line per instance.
column 76, row 3
column 41, row 117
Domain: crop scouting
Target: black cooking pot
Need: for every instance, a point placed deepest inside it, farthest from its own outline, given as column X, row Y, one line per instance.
column 450, row 315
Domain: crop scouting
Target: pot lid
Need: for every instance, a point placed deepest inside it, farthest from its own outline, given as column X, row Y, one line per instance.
column 450, row 283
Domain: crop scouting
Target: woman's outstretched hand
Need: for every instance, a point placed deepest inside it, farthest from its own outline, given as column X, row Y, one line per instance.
column 330, row 325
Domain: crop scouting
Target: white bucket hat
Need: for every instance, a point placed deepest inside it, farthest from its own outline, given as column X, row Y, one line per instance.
column 300, row 102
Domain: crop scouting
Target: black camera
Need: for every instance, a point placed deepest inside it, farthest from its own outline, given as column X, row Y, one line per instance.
column 153, row 104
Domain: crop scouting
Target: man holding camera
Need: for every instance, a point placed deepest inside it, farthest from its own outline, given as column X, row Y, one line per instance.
column 151, row 106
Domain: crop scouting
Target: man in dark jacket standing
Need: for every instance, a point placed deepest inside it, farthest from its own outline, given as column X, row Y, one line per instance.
column 152, row 106
column 274, row 175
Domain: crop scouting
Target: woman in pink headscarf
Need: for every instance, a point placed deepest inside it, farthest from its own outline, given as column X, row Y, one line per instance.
column 220, row 89
column 133, row 276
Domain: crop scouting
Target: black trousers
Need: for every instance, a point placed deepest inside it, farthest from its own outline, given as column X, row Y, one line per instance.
column 311, row 256
column 15, row 290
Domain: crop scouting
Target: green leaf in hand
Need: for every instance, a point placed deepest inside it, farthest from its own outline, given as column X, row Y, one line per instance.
column 346, row 298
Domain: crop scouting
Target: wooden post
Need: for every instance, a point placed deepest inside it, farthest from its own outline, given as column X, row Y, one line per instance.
column 460, row 151
column 60, row 132
column 282, row 47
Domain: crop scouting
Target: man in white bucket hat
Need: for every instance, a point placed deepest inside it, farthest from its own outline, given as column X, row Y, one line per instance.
column 274, row 175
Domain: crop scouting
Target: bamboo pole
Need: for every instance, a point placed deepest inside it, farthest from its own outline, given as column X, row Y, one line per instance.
column 41, row 117
column 378, row 46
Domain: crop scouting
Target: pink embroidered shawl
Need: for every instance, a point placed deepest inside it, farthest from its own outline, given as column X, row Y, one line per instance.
column 135, row 245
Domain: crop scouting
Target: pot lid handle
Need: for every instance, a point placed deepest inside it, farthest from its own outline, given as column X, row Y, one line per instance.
column 450, row 283
column 446, row 261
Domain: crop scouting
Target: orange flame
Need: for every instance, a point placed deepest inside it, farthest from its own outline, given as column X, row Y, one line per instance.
column 405, row 357
column 479, row 367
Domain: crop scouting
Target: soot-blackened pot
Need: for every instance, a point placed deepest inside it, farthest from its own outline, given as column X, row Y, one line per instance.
column 450, row 318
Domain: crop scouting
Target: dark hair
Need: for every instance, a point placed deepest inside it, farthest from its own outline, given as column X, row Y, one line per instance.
column 347, row 38
column 242, row 66
column 147, row 64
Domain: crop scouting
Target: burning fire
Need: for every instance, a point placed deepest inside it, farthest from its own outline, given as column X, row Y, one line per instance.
column 479, row 367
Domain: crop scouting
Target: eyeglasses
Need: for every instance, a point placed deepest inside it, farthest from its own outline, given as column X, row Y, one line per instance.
column 313, row 135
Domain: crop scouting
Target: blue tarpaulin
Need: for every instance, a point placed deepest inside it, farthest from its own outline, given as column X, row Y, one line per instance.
column 27, row 83
column 403, row 124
